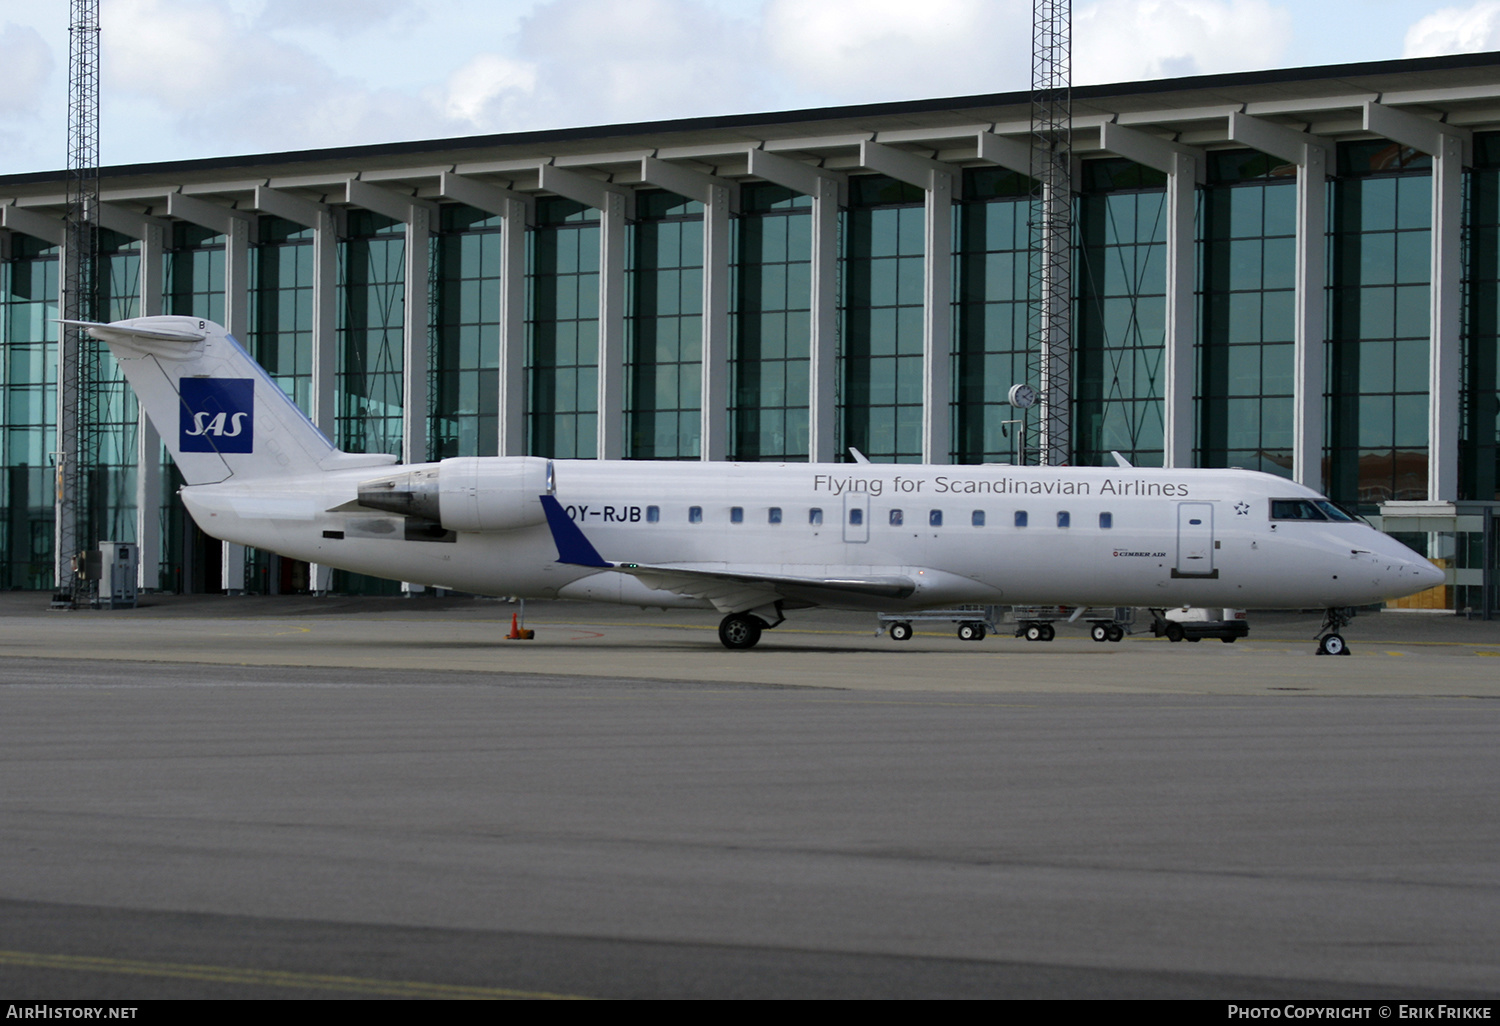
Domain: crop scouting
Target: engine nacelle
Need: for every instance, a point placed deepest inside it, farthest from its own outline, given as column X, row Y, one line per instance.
column 467, row 493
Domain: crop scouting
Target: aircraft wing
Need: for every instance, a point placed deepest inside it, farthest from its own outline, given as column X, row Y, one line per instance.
column 728, row 588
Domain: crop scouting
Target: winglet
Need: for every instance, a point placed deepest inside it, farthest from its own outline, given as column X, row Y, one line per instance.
column 572, row 546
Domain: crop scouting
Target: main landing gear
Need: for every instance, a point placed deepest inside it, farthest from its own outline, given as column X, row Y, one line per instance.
column 1330, row 641
column 743, row 630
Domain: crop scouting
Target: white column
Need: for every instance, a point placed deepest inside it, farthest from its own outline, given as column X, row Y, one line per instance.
column 1449, row 148
column 829, row 191
column 941, row 184
column 148, row 482
column 615, row 205
column 720, row 198
column 1184, row 168
column 1312, row 157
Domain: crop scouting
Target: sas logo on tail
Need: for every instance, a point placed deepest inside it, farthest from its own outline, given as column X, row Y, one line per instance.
column 217, row 415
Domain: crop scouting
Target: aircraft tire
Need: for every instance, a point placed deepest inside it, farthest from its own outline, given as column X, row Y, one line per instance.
column 1099, row 632
column 971, row 631
column 900, row 632
column 1116, row 632
column 1034, row 632
column 740, row 630
column 1333, row 644
column 1174, row 632
column 1048, row 632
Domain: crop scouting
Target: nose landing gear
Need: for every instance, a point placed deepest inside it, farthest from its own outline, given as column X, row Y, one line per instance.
column 1330, row 641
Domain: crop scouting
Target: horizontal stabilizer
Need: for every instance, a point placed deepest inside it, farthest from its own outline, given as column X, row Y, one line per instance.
column 128, row 333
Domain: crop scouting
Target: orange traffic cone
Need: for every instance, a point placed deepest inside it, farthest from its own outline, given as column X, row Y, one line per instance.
column 516, row 634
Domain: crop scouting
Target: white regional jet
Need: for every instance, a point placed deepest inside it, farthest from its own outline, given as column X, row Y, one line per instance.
column 752, row 540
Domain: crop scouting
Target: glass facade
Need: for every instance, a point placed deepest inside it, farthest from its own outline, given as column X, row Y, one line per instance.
column 1247, row 308
column 880, row 316
column 1380, row 268
column 28, row 339
column 372, row 289
column 465, row 335
column 562, row 331
column 990, row 315
column 1479, row 446
column 281, row 306
column 1120, row 322
column 664, row 328
column 770, row 324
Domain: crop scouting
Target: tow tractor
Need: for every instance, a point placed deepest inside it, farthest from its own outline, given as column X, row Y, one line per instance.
column 1194, row 624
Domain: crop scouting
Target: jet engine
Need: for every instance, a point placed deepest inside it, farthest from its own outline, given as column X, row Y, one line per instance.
column 467, row 493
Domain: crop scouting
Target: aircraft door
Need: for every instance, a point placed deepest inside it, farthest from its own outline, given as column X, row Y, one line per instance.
column 857, row 517
column 1195, row 540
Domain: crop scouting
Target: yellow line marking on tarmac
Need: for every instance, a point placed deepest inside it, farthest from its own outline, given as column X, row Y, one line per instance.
column 272, row 978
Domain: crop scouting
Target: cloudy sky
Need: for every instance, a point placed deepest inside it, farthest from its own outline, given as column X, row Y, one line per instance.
column 205, row 78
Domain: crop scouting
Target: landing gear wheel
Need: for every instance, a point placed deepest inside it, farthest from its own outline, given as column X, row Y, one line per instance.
column 1099, row 632
column 740, row 630
column 1227, row 641
column 1116, row 632
column 971, row 631
column 900, row 632
column 1047, row 632
column 1332, row 644
column 1034, row 632
column 1175, row 633
column 1330, row 641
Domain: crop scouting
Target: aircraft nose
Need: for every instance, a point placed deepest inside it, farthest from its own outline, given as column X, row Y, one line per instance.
column 1428, row 574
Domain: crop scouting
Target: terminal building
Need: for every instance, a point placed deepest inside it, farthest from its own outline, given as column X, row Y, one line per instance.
column 1295, row 271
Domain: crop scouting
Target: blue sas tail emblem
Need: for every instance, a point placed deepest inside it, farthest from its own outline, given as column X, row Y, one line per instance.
column 217, row 415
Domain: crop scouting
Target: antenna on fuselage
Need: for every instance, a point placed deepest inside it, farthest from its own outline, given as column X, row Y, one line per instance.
column 1121, row 461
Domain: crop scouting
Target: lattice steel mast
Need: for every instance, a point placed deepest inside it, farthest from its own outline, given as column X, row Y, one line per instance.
column 1050, row 335
column 77, row 354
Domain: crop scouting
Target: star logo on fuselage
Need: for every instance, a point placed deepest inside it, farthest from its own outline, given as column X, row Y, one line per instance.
column 1242, row 509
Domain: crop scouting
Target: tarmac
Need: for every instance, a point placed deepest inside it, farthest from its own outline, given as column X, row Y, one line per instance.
column 234, row 797
column 1393, row 653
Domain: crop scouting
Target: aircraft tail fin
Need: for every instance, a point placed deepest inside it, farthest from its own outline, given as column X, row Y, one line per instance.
column 217, row 410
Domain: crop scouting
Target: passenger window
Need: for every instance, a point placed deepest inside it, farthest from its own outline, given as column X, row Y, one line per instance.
column 774, row 516
column 1064, row 519
column 695, row 514
column 897, row 518
column 1106, row 521
column 1020, row 518
column 856, row 517
column 736, row 514
column 935, row 518
column 977, row 518
column 653, row 514
column 815, row 517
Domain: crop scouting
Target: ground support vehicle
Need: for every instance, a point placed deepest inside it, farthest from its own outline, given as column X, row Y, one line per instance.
column 974, row 622
column 1196, row 624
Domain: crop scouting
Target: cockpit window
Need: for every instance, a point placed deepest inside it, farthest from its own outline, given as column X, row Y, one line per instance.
column 1297, row 509
column 1333, row 511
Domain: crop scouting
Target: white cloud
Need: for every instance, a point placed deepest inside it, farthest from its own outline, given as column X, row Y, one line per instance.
column 859, row 50
column 1456, row 30
column 602, row 61
column 28, row 65
column 1125, row 40
column 485, row 92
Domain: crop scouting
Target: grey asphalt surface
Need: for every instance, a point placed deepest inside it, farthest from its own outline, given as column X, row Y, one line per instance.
column 344, row 798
